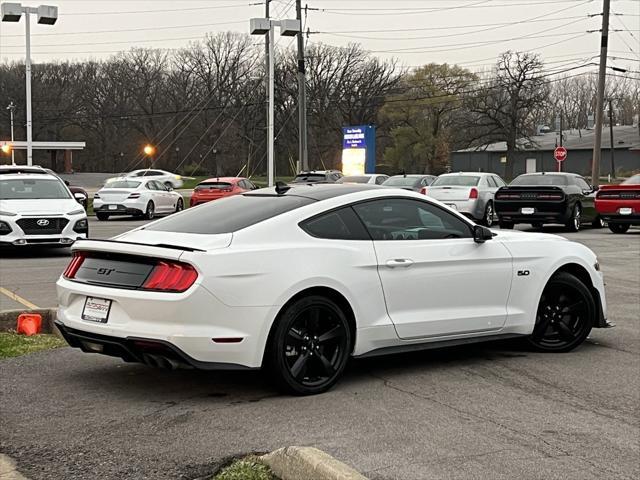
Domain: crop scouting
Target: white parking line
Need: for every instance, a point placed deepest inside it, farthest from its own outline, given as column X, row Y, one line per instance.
column 18, row 299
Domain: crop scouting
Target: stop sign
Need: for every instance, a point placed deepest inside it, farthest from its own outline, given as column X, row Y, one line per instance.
column 560, row 154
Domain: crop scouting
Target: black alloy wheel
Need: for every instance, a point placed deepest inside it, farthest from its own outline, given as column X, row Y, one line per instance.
column 598, row 222
column 488, row 215
column 179, row 205
column 565, row 316
column 619, row 227
column 150, row 211
column 574, row 222
column 310, row 346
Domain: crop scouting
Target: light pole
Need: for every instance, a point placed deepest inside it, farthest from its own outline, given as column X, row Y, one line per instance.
column 11, row 108
column 288, row 28
column 47, row 15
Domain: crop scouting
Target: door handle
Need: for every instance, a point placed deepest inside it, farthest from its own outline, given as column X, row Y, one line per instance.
column 399, row 262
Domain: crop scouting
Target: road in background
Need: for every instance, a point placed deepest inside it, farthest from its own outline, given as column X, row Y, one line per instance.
column 480, row 411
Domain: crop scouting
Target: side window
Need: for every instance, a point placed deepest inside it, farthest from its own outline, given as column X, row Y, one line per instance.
column 250, row 185
column 582, row 183
column 150, row 186
column 499, row 181
column 491, row 181
column 340, row 224
column 380, row 180
column 404, row 219
column 154, row 173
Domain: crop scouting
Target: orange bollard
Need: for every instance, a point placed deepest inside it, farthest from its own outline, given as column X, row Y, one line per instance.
column 29, row 323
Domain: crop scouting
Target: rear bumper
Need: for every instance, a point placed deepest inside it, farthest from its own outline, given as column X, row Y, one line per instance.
column 469, row 208
column 624, row 219
column 120, row 210
column 542, row 213
column 151, row 351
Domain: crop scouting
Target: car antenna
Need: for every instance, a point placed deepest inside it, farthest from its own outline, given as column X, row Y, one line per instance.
column 404, row 173
column 282, row 188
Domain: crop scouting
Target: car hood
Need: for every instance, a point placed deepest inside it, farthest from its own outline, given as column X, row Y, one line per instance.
column 517, row 235
column 45, row 206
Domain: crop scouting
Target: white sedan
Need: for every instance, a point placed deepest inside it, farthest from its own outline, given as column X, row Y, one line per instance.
column 168, row 179
column 299, row 279
column 142, row 197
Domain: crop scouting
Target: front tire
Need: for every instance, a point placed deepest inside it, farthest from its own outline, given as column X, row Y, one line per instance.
column 619, row 227
column 566, row 314
column 598, row 222
column 573, row 224
column 150, row 212
column 179, row 205
column 310, row 346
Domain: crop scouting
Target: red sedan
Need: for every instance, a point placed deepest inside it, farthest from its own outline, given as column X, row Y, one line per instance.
column 219, row 187
column 619, row 205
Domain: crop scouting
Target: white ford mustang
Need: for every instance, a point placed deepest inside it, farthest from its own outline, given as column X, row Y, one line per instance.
column 298, row 279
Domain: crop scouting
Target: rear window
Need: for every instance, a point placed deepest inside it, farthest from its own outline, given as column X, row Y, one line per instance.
column 540, row 180
column 122, row 184
column 229, row 214
column 213, row 186
column 310, row 178
column 354, row 179
column 456, row 181
column 401, row 182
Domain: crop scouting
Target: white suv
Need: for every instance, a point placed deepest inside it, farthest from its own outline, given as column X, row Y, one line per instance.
column 38, row 209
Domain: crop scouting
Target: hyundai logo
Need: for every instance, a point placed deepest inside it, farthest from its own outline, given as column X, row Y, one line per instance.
column 43, row 222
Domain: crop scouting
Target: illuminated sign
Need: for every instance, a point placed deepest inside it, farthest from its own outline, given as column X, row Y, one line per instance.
column 358, row 149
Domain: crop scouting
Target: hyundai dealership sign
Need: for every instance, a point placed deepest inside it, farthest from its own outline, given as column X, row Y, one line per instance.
column 358, row 149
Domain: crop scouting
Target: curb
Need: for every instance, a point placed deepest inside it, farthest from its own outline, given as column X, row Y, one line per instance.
column 308, row 463
column 8, row 469
column 9, row 318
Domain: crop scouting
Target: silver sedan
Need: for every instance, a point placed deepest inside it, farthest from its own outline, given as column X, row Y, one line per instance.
column 470, row 193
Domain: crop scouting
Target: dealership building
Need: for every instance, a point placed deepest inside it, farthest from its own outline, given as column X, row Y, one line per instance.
column 536, row 154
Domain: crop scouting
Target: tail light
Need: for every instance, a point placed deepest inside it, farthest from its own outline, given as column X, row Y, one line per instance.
column 549, row 196
column 74, row 265
column 134, row 195
column 473, row 193
column 423, row 190
column 168, row 276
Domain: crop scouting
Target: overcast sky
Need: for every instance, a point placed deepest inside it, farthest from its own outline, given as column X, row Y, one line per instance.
column 467, row 32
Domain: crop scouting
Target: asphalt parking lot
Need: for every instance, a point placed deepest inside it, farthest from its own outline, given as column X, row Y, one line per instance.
column 486, row 411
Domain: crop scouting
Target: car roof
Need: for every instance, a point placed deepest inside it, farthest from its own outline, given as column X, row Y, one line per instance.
column 476, row 174
column 568, row 174
column 320, row 191
column 30, row 175
column 223, row 179
column 412, row 175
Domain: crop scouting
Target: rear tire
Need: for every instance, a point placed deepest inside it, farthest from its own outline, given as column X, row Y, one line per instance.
column 573, row 224
column 150, row 211
column 179, row 205
column 619, row 227
column 310, row 346
column 103, row 217
column 566, row 314
column 489, row 213
column 598, row 222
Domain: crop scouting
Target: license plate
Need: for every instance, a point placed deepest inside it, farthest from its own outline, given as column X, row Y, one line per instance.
column 452, row 205
column 113, row 207
column 96, row 309
column 626, row 211
column 527, row 210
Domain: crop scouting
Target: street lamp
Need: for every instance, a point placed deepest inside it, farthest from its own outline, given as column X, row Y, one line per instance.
column 149, row 150
column 11, row 108
column 47, row 15
column 288, row 28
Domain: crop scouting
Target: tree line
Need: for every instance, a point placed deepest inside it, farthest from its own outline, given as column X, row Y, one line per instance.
column 203, row 107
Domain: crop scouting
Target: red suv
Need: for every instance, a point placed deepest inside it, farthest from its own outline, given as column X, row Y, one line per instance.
column 215, row 188
column 619, row 205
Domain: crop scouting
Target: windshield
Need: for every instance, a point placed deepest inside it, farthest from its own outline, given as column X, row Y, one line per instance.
column 32, row 188
column 540, row 180
column 123, row 184
column 401, row 181
column 213, row 186
column 354, row 179
column 456, row 180
column 635, row 180
column 310, row 178
column 230, row 214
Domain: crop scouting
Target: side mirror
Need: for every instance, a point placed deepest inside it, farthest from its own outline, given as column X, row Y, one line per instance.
column 481, row 234
column 169, row 188
column 66, row 182
column 595, row 188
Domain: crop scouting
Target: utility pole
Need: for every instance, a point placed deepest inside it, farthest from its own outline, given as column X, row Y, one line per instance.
column 561, row 139
column 11, row 108
column 267, row 38
column 303, row 159
column 613, row 165
column 597, row 146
